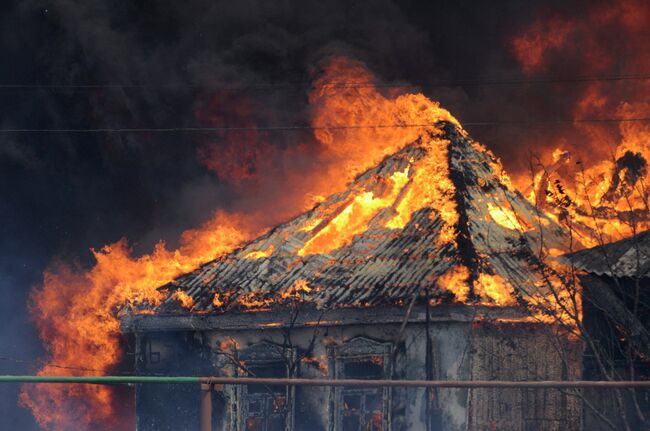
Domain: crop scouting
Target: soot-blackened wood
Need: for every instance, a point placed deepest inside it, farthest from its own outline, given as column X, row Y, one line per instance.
column 466, row 251
column 312, row 318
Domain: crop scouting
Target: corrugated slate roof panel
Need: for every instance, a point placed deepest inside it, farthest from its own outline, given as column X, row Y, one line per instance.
column 380, row 265
column 629, row 257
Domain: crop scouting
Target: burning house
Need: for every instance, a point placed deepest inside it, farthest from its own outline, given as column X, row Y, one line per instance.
column 420, row 269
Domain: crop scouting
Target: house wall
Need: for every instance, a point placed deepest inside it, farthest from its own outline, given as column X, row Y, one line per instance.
column 170, row 407
column 612, row 320
column 523, row 352
column 461, row 350
column 451, row 350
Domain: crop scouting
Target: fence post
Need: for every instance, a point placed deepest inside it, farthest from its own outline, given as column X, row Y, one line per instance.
column 206, row 407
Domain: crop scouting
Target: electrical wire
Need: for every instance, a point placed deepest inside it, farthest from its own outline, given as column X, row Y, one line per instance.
column 336, row 84
column 324, row 127
column 45, row 365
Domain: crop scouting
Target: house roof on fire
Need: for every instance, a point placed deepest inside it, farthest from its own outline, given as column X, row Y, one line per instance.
column 394, row 251
column 629, row 257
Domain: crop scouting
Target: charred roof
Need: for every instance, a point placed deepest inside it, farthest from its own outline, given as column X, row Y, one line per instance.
column 437, row 217
column 629, row 257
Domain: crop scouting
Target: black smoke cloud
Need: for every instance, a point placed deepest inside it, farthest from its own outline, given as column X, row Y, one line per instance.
column 61, row 194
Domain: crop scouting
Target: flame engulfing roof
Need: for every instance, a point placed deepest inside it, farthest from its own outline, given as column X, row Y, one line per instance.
column 438, row 218
column 629, row 257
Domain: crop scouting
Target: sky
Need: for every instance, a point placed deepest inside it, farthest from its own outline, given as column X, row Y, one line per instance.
column 211, row 63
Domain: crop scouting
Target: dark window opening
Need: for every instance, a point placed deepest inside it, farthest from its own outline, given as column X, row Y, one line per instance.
column 266, row 405
column 368, row 368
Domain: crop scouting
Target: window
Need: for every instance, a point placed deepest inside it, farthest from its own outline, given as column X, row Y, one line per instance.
column 265, row 407
column 356, row 408
column 362, row 407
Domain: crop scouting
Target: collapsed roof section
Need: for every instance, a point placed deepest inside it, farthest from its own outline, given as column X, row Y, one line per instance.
column 436, row 219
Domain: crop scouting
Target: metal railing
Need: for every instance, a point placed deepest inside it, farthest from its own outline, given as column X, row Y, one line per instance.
column 210, row 384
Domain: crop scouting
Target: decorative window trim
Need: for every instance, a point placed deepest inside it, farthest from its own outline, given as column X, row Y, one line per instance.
column 358, row 347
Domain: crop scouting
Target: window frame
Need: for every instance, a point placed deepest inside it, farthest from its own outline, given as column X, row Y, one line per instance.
column 260, row 354
column 357, row 348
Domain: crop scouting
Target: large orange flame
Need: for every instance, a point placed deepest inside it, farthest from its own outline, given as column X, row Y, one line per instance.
column 76, row 316
column 76, row 310
column 598, row 180
column 345, row 96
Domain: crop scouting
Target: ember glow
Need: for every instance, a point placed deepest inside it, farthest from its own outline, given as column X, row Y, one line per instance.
column 455, row 281
column 504, row 216
column 297, row 290
column 260, row 253
column 185, row 300
column 430, row 187
column 354, row 218
column 319, row 363
column 494, row 288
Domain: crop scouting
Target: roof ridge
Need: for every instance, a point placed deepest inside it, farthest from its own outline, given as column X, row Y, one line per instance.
column 436, row 206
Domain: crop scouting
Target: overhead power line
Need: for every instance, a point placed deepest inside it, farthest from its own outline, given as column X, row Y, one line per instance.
column 335, row 84
column 46, row 366
column 324, row 127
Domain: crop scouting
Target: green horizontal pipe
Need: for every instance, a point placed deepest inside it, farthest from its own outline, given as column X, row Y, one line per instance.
column 100, row 379
column 103, row 380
